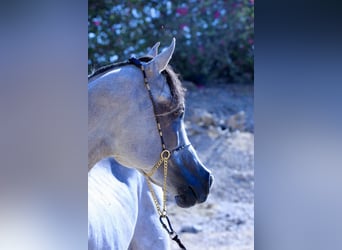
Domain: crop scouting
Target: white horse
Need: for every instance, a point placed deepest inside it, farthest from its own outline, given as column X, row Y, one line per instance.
column 129, row 125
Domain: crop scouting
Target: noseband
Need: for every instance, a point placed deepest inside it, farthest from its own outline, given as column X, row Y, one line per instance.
column 164, row 158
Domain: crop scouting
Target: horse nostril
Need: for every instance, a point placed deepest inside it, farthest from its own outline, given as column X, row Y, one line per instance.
column 211, row 180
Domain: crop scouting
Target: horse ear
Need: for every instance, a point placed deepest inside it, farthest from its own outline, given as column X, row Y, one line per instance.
column 154, row 51
column 160, row 61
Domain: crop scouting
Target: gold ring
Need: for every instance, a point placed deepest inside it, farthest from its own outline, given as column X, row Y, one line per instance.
column 165, row 154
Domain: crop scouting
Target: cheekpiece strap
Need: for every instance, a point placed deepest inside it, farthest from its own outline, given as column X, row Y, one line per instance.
column 138, row 64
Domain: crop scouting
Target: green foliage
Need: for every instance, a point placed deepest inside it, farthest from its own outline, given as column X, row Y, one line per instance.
column 215, row 39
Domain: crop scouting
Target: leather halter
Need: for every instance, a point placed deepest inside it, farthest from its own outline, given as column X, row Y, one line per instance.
column 164, row 158
column 137, row 63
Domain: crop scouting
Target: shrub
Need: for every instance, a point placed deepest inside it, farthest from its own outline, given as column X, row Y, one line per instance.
column 215, row 39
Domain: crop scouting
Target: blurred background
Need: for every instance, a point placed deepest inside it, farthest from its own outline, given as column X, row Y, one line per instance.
column 214, row 56
column 215, row 39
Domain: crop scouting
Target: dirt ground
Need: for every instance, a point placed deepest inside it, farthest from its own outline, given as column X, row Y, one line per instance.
column 220, row 125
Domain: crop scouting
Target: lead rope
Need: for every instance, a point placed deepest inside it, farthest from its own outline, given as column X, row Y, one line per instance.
column 164, row 158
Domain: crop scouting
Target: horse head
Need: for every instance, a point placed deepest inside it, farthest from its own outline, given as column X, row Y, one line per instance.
column 143, row 120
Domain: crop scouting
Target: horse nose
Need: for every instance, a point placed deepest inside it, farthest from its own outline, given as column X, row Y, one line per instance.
column 203, row 197
column 211, row 180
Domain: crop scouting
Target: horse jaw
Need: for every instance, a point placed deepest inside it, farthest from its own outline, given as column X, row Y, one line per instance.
column 118, row 99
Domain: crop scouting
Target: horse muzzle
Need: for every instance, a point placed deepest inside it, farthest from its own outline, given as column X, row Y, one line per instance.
column 190, row 196
column 194, row 179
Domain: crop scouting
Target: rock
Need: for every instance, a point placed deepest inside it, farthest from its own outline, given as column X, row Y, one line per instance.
column 191, row 229
column 207, row 119
column 202, row 118
column 213, row 132
column 194, row 129
column 237, row 121
column 239, row 221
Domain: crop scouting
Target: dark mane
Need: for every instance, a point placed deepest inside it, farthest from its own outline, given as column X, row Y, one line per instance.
column 177, row 90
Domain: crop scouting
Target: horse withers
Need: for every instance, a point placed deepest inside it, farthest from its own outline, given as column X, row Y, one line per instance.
column 136, row 119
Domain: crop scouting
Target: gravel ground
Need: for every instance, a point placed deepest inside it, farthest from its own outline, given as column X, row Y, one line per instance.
column 220, row 125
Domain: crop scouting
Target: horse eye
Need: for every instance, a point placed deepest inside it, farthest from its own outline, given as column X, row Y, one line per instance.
column 179, row 112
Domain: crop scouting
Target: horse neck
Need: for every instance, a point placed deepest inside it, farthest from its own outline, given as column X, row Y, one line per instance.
column 113, row 103
column 98, row 145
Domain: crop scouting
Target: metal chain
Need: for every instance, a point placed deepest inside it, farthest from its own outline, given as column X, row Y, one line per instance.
column 164, row 219
column 164, row 157
column 165, row 186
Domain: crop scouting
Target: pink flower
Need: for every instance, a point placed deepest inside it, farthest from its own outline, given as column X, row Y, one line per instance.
column 250, row 41
column 217, row 14
column 182, row 11
column 97, row 22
